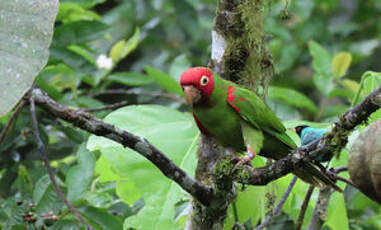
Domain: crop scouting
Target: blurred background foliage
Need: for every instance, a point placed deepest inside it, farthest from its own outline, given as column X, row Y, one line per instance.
column 326, row 56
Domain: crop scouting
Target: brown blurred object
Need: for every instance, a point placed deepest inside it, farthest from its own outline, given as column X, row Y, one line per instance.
column 364, row 163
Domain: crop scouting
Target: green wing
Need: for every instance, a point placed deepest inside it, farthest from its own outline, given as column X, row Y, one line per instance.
column 256, row 113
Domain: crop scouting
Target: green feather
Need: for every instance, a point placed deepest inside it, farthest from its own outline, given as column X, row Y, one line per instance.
column 244, row 119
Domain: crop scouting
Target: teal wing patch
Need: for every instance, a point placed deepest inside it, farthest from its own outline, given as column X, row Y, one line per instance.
column 256, row 113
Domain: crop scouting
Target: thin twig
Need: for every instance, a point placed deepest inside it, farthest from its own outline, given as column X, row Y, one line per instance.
column 135, row 92
column 96, row 126
column 44, row 156
column 10, row 121
column 278, row 208
column 345, row 180
column 303, row 209
column 341, row 169
column 106, row 107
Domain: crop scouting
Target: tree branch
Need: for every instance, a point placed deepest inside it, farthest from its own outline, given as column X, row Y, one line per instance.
column 44, row 156
column 333, row 141
column 173, row 97
column 96, row 126
column 106, row 107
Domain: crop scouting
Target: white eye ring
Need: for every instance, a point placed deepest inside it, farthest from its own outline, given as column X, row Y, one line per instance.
column 204, row 80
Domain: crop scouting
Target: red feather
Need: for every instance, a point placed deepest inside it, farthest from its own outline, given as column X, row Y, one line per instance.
column 200, row 127
column 231, row 98
column 193, row 76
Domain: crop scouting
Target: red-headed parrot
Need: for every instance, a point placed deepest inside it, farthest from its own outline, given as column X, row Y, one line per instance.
column 237, row 118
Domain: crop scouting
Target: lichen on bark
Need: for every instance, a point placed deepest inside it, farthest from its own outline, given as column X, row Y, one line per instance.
column 246, row 59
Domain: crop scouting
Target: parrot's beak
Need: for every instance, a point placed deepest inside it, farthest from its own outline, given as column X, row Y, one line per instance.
column 192, row 95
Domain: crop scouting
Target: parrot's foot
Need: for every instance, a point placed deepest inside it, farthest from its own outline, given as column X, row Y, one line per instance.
column 246, row 160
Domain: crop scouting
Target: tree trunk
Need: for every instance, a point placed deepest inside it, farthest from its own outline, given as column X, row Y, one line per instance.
column 238, row 54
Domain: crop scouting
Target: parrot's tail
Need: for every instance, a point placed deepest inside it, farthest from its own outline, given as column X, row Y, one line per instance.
column 310, row 174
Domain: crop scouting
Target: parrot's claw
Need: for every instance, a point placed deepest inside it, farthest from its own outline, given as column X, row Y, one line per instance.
column 246, row 160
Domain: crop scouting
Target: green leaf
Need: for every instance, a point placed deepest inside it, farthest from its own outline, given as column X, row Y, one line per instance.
column 79, row 177
column 84, row 3
column 101, row 218
column 292, row 97
column 131, row 79
column 127, row 191
column 65, row 225
column 369, row 81
column 25, row 185
column 179, row 65
column 78, row 32
column 170, row 131
column 350, row 85
column 333, row 111
column 337, row 211
column 321, row 58
column 61, row 77
column 341, row 63
column 164, row 80
column 71, row 12
column 187, row 17
column 372, row 80
column 103, row 169
column 323, row 83
column 72, row 59
column 250, row 203
column 319, row 125
column 99, row 199
column 45, row 196
column 123, row 48
column 323, row 68
column 24, row 46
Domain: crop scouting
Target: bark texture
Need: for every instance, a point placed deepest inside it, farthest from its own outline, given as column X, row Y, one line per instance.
column 238, row 54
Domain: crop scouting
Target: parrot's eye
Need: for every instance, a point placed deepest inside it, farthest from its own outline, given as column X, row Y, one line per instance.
column 204, row 80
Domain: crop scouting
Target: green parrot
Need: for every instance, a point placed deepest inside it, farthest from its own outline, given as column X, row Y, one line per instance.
column 238, row 119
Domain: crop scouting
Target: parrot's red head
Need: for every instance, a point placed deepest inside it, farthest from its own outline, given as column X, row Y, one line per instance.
column 197, row 84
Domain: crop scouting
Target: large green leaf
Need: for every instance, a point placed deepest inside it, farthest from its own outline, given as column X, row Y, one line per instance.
column 337, row 212
column 172, row 132
column 322, row 65
column 26, row 33
column 292, row 97
column 250, row 203
column 131, row 79
column 101, row 218
column 164, row 80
